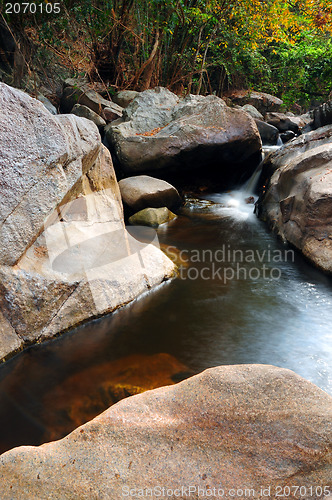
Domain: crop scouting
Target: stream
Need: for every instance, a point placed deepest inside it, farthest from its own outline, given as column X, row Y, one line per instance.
column 241, row 297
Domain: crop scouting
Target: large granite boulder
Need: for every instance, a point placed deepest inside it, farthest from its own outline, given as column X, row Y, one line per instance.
column 162, row 132
column 142, row 191
column 297, row 199
column 65, row 255
column 262, row 101
column 231, row 428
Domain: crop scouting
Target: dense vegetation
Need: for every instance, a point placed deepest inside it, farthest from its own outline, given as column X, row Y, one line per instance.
column 279, row 46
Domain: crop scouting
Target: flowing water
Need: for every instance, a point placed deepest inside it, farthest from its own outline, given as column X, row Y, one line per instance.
column 241, row 297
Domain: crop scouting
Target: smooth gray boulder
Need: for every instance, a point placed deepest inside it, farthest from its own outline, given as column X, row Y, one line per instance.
column 65, row 254
column 162, row 132
column 253, row 112
column 231, row 428
column 143, row 191
column 125, row 97
column 297, row 199
column 47, row 103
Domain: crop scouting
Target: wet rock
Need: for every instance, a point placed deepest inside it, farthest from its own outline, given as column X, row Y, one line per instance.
column 252, row 426
column 143, row 191
column 162, row 132
column 297, row 199
column 153, row 217
column 285, row 122
column 250, row 200
column 286, row 136
column 85, row 112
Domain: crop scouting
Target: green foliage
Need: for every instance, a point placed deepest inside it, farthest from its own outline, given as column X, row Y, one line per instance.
column 277, row 46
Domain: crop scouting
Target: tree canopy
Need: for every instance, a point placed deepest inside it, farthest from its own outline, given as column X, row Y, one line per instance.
column 279, row 46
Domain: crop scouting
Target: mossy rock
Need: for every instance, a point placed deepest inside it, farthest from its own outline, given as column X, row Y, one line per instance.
column 152, row 217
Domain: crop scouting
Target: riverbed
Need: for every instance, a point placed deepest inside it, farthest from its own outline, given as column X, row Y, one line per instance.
column 242, row 296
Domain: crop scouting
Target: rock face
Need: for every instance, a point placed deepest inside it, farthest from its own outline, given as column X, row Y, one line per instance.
column 143, row 191
column 297, row 202
column 263, row 102
column 152, row 217
column 231, row 427
column 65, row 255
column 162, row 132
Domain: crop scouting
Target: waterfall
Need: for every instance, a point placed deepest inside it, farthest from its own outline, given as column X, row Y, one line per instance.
column 250, row 185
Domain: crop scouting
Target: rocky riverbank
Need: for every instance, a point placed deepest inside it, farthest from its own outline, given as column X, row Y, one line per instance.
column 229, row 428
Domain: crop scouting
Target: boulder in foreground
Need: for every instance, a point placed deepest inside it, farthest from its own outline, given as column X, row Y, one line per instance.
column 160, row 132
column 245, row 426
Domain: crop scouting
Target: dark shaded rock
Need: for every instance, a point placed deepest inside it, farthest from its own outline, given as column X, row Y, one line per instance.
column 323, row 115
column 78, row 92
column 245, row 426
column 287, row 136
column 284, row 122
column 268, row 133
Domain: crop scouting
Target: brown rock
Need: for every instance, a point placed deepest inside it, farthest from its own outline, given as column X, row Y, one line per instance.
column 245, row 426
